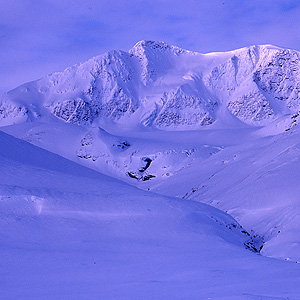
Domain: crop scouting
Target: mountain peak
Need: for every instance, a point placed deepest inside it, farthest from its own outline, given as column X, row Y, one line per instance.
column 146, row 45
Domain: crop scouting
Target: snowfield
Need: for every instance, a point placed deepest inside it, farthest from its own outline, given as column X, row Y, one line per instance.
column 157, row 173
column 68, row 232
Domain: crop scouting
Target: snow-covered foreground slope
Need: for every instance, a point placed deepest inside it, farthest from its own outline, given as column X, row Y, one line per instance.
column 68, row 232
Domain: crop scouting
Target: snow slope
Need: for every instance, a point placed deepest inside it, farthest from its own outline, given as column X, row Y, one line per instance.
column 69, row 232
column 257, row 182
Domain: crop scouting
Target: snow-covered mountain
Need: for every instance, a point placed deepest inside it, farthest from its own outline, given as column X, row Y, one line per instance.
column 163, row 86
column 217, row 128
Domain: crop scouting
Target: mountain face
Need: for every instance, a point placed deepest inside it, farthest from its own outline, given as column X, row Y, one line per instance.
column 165, row 87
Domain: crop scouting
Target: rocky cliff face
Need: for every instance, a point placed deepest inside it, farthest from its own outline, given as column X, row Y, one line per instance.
column 164, row 86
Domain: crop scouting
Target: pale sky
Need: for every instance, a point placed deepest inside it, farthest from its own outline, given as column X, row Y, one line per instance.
column 39, row 37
